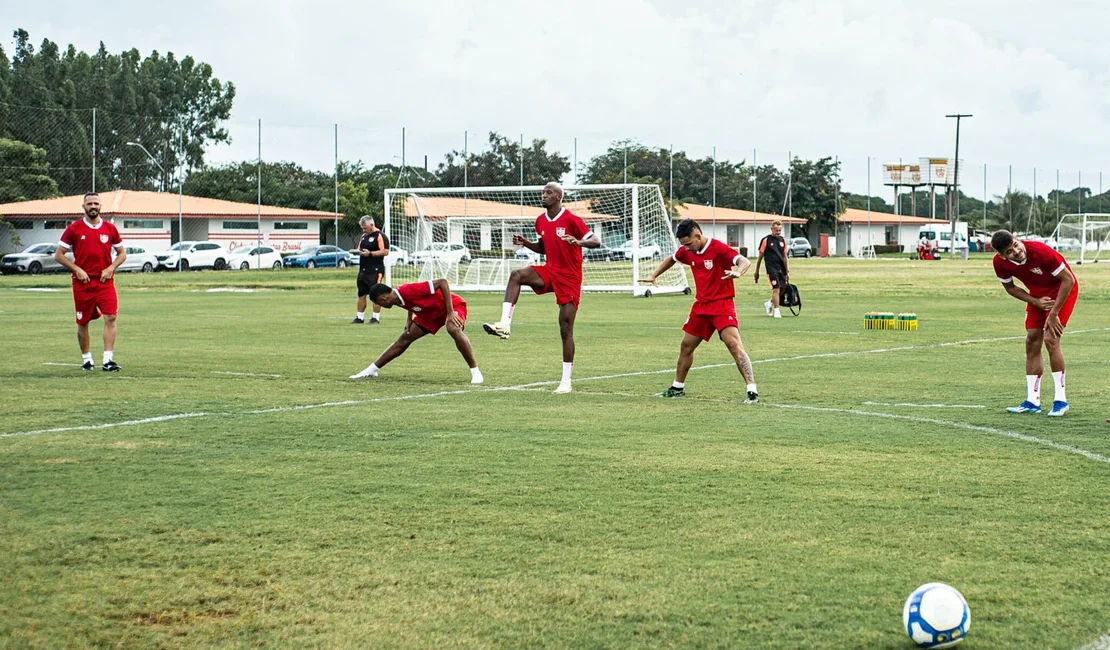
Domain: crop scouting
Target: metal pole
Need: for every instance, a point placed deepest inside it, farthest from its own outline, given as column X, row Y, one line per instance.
column 755, row 191
column 836, row 204
column 1080, row 210
column 336, row 190
column 984, row 195
column 574, row 174
column 790, row 184
column 869, row 204
column 259, row 233
column 180, row 191
column 1032, row 204
column 466, row 158
column 1057, row 197
column 714, row 211
column 94, row 150
column 625, row 164
column 956, row 186
column 670, row 181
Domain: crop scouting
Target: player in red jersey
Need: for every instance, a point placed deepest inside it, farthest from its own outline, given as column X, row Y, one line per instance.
column 430, row 306
column 714, row 264
column 94, row 293
column 563, row 235
column 1051, row 290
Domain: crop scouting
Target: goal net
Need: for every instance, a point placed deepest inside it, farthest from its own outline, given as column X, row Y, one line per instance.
column 1083, row 238
column 466, row 235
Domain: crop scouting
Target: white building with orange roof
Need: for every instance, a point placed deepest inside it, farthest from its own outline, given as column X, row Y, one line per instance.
column 150, row 220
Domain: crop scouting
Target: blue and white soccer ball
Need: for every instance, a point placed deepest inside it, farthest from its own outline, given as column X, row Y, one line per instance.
column 936, row 616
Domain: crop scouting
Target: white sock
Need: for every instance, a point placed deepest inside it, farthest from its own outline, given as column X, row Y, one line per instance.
column 107, row 356
column 679, row 384
column 474, row 372
column 377, row 316
column 86, row 357
column 567, row 366
column 507, row 313
column 1058, row 379
column 777, row 313
column 361, row 315
column 1033, row 388
column 753, row 389
column 374, row 369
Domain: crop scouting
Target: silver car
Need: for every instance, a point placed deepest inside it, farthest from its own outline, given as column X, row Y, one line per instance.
column 35, row 259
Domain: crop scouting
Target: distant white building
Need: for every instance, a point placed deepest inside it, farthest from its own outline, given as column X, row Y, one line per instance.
column 737, row 228
column 860, row 229
column 150, row 220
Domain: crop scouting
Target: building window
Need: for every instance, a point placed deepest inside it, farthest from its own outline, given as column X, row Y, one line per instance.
column 22, row 224
column 55, row 224
column 290, row 225
column 129, row 224
column 733, row 235
column 240, row 225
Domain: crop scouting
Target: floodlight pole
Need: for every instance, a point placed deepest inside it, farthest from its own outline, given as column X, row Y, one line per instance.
column 153, row 160
column 956, row 186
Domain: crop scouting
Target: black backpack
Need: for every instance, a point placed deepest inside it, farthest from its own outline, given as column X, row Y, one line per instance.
column 790, row 298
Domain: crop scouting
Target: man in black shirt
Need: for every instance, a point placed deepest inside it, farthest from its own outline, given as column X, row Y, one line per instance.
column 372, row 249
column 772, row 248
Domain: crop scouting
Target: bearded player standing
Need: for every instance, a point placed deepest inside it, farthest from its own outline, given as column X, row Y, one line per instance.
column 563, row 235
column 94, row 293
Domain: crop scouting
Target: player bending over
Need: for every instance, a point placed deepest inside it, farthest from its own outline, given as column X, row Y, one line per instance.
column 712, row 262
column 430, row 306
column 1051, row 291
column 563, row 235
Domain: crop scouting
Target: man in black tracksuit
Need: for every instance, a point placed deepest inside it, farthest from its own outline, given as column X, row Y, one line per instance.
column 372, row 249
column 772, row 249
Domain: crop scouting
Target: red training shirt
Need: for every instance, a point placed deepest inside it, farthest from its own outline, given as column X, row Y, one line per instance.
column 91, row 245
column 1040, row 273
column 563, row 259
column 709, row 266
column 422, row 299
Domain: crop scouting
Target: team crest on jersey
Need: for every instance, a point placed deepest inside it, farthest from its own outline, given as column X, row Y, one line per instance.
column 1037, row 270
column 708, row 264
column 104, row 239
column 80, row 315
column 561, row 232
column 416, row 309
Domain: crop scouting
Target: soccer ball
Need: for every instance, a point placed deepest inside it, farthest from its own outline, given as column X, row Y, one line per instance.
column 936, row 616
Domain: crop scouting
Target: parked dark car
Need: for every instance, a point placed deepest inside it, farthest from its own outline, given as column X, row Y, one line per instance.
column 313, row 256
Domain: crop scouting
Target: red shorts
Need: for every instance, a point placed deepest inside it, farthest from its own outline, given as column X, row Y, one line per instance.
column 565, row 290
column 433, row 325
column 704, row 320
column 1035, row 319
column 93, row 298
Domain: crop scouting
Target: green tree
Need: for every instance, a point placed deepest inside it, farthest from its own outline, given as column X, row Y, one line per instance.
column 24, row 173
column 500, row 165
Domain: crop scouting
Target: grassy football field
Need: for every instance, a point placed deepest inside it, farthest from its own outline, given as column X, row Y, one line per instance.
column 232, row 488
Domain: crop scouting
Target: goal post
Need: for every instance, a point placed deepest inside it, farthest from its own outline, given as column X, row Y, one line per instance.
column 1084, row 238
column 465, row 234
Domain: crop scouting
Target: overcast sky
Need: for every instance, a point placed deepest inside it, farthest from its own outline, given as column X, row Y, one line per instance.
column 852, row 78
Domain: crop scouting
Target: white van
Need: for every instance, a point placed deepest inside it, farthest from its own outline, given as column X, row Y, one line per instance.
column 941, row 235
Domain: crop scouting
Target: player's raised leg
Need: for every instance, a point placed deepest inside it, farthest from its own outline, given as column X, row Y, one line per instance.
column 567, row 313
column 397, row 348
column 526, row 277
column 731, row 338
column 686, row 350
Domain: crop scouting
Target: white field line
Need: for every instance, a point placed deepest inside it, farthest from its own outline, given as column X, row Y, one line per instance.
column 55, row 363
column 1101, row 643
column 537, row 384
column 243, row 374
column 891, row 416
column 932, row 406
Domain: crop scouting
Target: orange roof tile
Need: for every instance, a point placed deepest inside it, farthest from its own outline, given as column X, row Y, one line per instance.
column 130, row 203
column 854, row 215
column 706, row 213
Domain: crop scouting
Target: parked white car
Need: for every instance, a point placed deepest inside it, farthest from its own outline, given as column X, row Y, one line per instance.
column 443, row 253
column 397, row 255
column 624, row 251
column 138, row 259
column 253, row 257
column 195, row 255
column 1066, row 245
column 35, row 259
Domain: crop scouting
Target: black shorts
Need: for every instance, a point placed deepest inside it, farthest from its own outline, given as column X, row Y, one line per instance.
column 367, row 279
column 777, row 278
